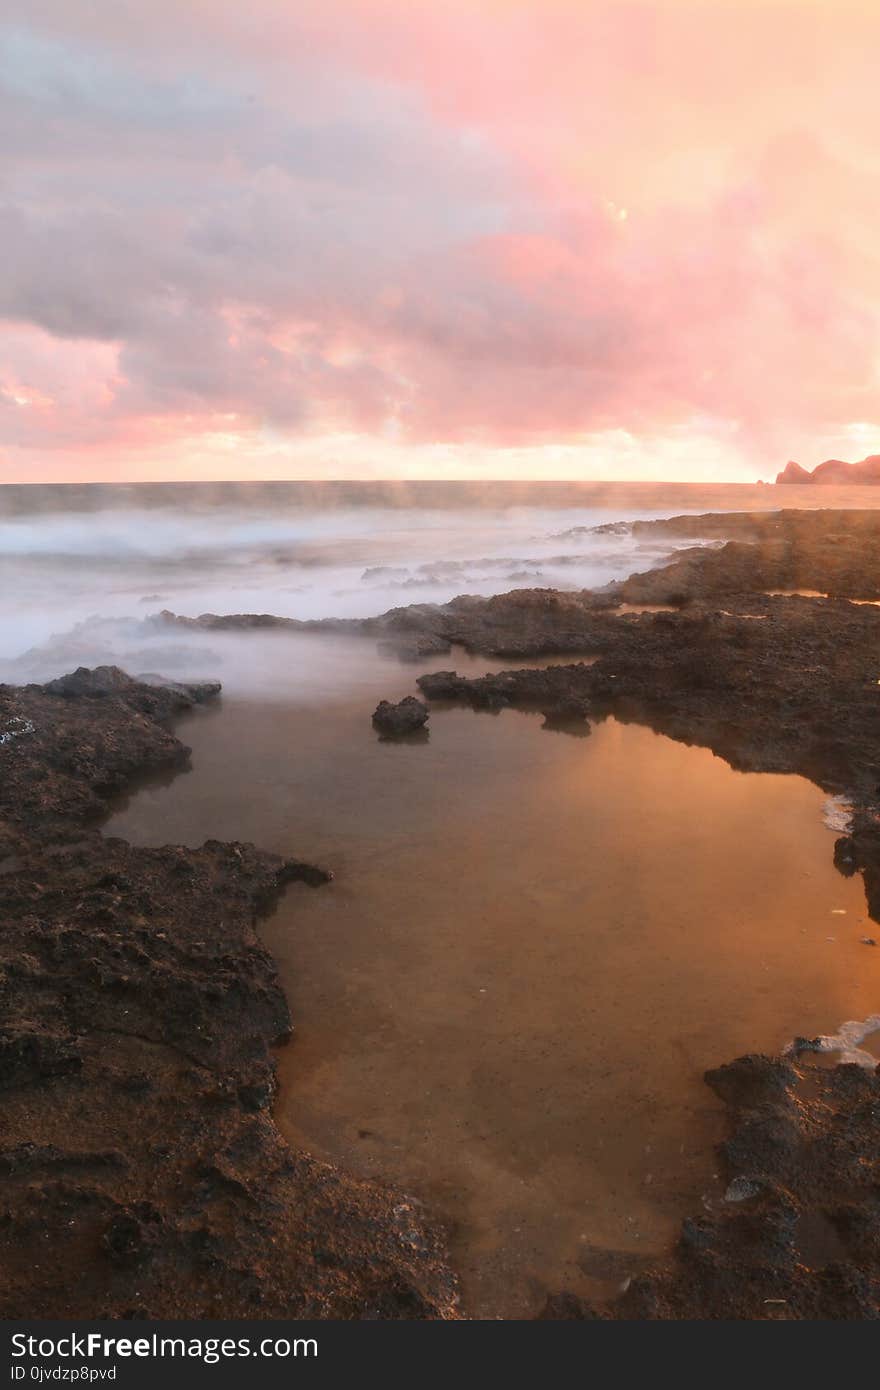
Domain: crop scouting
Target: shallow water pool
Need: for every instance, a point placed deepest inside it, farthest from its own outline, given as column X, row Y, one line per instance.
column 534, row 946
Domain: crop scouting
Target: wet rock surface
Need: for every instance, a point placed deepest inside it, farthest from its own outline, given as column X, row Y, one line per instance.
column 408, row 716
column 141, row 1173
column 770, row 683
column 526, row 622
column 744, row 555
column 794, row 692
column 834, row 552
column 147, row 1149
column 797, row 1234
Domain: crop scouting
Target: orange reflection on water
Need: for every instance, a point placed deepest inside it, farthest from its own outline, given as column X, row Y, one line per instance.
column 533, row 948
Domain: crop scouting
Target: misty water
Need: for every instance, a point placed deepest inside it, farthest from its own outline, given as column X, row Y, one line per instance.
column 72, row 555
column 534, row 943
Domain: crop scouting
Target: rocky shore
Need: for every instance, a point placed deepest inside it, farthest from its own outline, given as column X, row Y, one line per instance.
column 799, row 1232
column 141, row 1010
column 770, row 683
column 140, row 1169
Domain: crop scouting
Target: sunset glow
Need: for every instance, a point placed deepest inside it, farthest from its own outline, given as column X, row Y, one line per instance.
column 373, row 238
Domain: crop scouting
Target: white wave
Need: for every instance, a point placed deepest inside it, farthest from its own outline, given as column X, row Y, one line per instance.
column 16, row 728
column 57, row 569
column 847, row 1038
column 837, row 813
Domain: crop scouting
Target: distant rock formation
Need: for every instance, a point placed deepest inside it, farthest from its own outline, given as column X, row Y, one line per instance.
column 834, row 471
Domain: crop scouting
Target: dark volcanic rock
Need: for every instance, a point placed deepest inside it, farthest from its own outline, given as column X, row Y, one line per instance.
column 793, row 691
column 66, row 755
column 577, row 707
column 798, row 1232
column 139, row 1164
column 395, row 721
column 163, row 698
column 526, row 622
column 859, row 852
column 102, row 680
column 833, row 552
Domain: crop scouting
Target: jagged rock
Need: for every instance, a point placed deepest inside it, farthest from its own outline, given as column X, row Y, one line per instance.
column 796, row 1234
column 408, row 716
column 102, row 680
column 752, row 1081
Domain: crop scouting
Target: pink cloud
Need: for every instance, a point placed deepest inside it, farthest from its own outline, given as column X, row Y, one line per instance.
column 515, row 224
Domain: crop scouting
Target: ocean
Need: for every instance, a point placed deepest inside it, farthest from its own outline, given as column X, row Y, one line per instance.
column 534, row 944
column 95, row 560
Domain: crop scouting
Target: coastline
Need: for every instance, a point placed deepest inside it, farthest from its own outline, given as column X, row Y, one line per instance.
column 140, row 1018
column 772, row 683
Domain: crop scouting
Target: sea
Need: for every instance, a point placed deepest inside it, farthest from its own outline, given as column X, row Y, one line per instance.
column 534, row 944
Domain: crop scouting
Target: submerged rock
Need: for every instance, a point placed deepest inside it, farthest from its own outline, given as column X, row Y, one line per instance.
column 415, row 647
column 408, row 716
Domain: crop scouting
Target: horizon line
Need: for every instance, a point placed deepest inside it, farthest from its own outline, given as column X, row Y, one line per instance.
column 396, row 482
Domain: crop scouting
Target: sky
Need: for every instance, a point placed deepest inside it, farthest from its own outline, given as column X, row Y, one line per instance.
column 482, row 238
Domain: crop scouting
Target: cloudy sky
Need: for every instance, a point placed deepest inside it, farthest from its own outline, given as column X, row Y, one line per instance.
column 286, row 238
